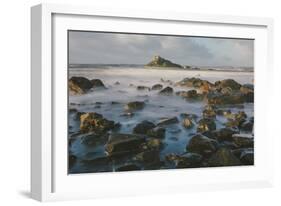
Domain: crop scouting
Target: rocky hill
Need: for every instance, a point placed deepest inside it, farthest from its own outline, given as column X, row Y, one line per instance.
column 158, row 61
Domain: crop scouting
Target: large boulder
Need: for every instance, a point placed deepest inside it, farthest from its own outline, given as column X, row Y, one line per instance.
column 217, row 98
column 94, row 122
column 194, row 82
column 143, row 127
column 167, row 91
column 149, row 156
column 243, row 140
column 157, row 132
column 97, row 83
column 189, row 160
column 225, row 134
column 168, row 121
column 119, row 143
column 133, row 106
column 228, row 83
column 79, row 85
column 247, row 88
column 206, row 124
column 223, row 157
column 202, row 145
column 157, row 87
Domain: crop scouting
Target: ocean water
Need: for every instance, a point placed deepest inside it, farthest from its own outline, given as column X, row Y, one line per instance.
column 157, row 106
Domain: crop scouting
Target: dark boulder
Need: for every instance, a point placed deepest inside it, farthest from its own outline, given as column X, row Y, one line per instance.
column 223, row 157
column 225, row 134
column 216, row 98
column 133, row 106
column 124, row 143
column 247, row 126
column 243, row 140
column 167, row 91
column 157, row 132
column 143, row 127
column 143, row 88
column 247, row 88
column 150, row 156
column 94, row 122
column 157, row 87
column 202, row 145
column 79, row 85
column 97, row 83
column 228, row 83
column 206, row 124
column 247, row 157
column 189, row 160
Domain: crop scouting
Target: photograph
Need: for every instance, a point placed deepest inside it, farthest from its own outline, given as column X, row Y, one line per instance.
column 139, row 101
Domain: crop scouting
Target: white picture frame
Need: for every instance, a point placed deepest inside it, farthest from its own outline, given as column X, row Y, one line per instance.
column 49, row 181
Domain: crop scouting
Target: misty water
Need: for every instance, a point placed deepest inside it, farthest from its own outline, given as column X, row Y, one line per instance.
column 110, row 103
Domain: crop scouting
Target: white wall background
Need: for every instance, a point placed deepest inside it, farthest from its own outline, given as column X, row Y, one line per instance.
column 15, row 95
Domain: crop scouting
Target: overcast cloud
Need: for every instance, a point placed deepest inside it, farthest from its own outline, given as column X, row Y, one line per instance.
column 110, row 48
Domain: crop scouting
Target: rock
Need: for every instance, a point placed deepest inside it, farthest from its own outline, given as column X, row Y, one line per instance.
column 247, row 126
column 157, row 132
column 216, row 98
column 232, row 84
column 171, row 157
column 167, row 91
column 96, row 83
column 209, row 112
column 128, row 167
column 210, row 134
column 143, row 127
column 94, row 122
column 187, row 115
column 206, row 87
column 187, row 123
column 189, row 160
column 154, row 143
column 224, row 134
column 133, row 106
column 157, row 87
column 93, row 139
column 119, row 143
column 149, row 156
column 143, row 88
column 206, row 124
column 168, row 121
column 79, row 85
column 158, row 61
column 247, row 88
column 71, row 159
column 223, row 112
column 193, row 82
column 223, row 157
column 249, row 97
column 117, row 83
column 243, row 140
column 247, row 157
column 72, row 110
column 202, row 145
column 228, row 145
column 227, row 91
column 190, row 95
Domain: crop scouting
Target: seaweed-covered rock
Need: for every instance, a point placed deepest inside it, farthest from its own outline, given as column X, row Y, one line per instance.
column 143, row 127
column 133, row 106
column 119, row 143
column 206, row 124
column 168, row 121
column 79, row 85
column 243, row 140
column 202, row 145
column 94, row 122
column 97, row 83
column 223, row 157
column 157, row 87
column 189, row 160
column 167, row 91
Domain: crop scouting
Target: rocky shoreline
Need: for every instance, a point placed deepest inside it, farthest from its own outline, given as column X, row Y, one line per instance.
column 140, row 149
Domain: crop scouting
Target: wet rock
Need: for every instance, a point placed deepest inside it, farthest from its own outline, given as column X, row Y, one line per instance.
column 249, row 97
column 216, row 98
column 143, row 88
column 189, row 160
column 119, row 143
column 202, row 145
column 243, row 140
column 247, row 88
column 79, row 85
column 209, row 112
column 128, row 167
column 210, row 134
column 168, row 121
column 157, row 132
column 71, row 160
column 232, row 84
column 247, row 126
column 133, row 106
column 150, row 156
column 154, row 143
column 143, row 127
column 94, row 122
column 228, row 145
column 117, row 83
column 225, row 134
column 157, row 87
column 206, row 124
column 94, row 139
column 223, row 112
column 167, row 91
column 190, row 95
column 226, row 91
column 247, row 157
column 171, row 157
column 223, row 157
column 206, row 87
column 193, row 82
column 97, row 83
column 187, row 115
column 236, row 120
column 187, row 123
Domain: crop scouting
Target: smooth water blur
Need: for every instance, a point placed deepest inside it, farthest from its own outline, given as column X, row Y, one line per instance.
column 110, row 103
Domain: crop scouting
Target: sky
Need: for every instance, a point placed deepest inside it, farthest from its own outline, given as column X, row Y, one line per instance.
column 117, row 48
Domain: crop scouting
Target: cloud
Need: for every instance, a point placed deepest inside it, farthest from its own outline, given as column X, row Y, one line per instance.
column 117, row 48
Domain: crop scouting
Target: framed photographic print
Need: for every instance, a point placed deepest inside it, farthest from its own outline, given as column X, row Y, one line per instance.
column 137, row 102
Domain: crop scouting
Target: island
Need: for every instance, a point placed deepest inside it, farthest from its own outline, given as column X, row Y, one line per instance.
column 158, row 61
